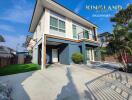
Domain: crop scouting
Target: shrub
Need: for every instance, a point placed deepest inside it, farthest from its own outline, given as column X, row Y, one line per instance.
column 77, row 58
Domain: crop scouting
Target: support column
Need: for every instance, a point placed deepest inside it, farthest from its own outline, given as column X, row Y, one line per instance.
column 43, row 65
column 93, row 54
column 45, row 30
column 45, row 50
column 84, row 52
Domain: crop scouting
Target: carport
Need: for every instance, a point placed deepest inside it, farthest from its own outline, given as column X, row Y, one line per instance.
column 57, row 52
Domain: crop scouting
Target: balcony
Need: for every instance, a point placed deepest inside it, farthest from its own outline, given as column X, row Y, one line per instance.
column 86, row 35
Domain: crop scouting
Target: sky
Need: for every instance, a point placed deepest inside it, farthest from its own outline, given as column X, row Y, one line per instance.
column 15, row 17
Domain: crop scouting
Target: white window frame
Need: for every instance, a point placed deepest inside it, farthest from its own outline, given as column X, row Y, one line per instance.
column 58, row 28
column 76, row 31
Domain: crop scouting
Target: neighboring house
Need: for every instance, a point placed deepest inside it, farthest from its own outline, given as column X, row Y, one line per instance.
column 104, row 37
column 23, row 57
column 6, row 51
column 6, row 55
column 58, row 33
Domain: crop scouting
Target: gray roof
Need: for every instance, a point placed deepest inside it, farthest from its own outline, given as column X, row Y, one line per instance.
column 6, row 52
column 104, row 34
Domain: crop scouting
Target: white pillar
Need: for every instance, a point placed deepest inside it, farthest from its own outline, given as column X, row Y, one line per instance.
column 44, row 30
column 42, row 59
column 93, row 54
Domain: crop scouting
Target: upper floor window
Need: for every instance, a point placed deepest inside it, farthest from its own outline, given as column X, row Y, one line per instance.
column 53, row 23
column 86, row 34
column 61, row 26
column 57, row 24
column 74, row 29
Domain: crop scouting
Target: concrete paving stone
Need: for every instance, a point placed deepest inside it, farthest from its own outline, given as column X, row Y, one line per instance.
column 118, row 90
column 117, row 76
column 128, row 85
column 125, row 94
column 123, row 82
column 113, row 86
column 114, row 76
column 131, row 87
column 130, row 97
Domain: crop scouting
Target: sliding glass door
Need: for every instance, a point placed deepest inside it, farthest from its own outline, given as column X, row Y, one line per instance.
column 90, row 54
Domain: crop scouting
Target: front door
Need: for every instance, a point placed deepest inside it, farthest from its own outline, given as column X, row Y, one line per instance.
column 54, row 55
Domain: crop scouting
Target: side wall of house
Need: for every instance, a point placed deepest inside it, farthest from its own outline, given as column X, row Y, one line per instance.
column 35, row 55
column 73, row 48
column 37, row 37
column 64, row 54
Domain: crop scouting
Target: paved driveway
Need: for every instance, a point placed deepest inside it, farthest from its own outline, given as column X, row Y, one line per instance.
column 61, row 82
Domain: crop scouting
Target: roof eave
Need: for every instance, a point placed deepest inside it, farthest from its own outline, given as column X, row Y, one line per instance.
column 32, row 30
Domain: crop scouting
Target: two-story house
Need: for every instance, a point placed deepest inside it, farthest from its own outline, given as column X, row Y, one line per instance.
column 59, row 32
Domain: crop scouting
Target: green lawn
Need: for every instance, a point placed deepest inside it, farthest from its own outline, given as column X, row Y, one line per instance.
column 18, row 68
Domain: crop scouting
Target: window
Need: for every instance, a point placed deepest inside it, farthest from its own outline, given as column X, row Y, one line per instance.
column 74, row 31
column 53, row 23
column 56, row 24
column 86, row 34
column 61, row 26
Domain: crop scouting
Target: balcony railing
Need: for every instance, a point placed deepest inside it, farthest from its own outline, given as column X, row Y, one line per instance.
column 83, row 35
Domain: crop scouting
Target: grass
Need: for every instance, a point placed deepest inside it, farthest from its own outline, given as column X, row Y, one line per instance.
column 18, row 68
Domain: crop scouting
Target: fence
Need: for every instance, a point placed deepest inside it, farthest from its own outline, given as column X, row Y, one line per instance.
column 7, row 61
column 112, row 58
column 4, row 61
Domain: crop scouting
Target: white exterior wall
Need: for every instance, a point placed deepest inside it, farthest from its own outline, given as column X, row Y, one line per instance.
column 46, row 21
column 69, row 28
column 38, row 32
column 45, row 26
column 35, row 55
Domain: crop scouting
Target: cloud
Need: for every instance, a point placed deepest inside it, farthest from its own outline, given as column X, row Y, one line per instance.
column 14, row 42
column 7, row 28
column 20, row 12
column 79, row 6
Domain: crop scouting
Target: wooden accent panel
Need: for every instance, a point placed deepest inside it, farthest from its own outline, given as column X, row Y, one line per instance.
column 44, row 49
column 95, row 37
column 58, row 37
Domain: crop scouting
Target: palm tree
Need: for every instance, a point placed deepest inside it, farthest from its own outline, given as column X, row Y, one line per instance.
column 2, row 38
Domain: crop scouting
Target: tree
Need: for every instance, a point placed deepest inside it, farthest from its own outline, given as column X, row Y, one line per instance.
column 2, row 38
column 121, row 43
